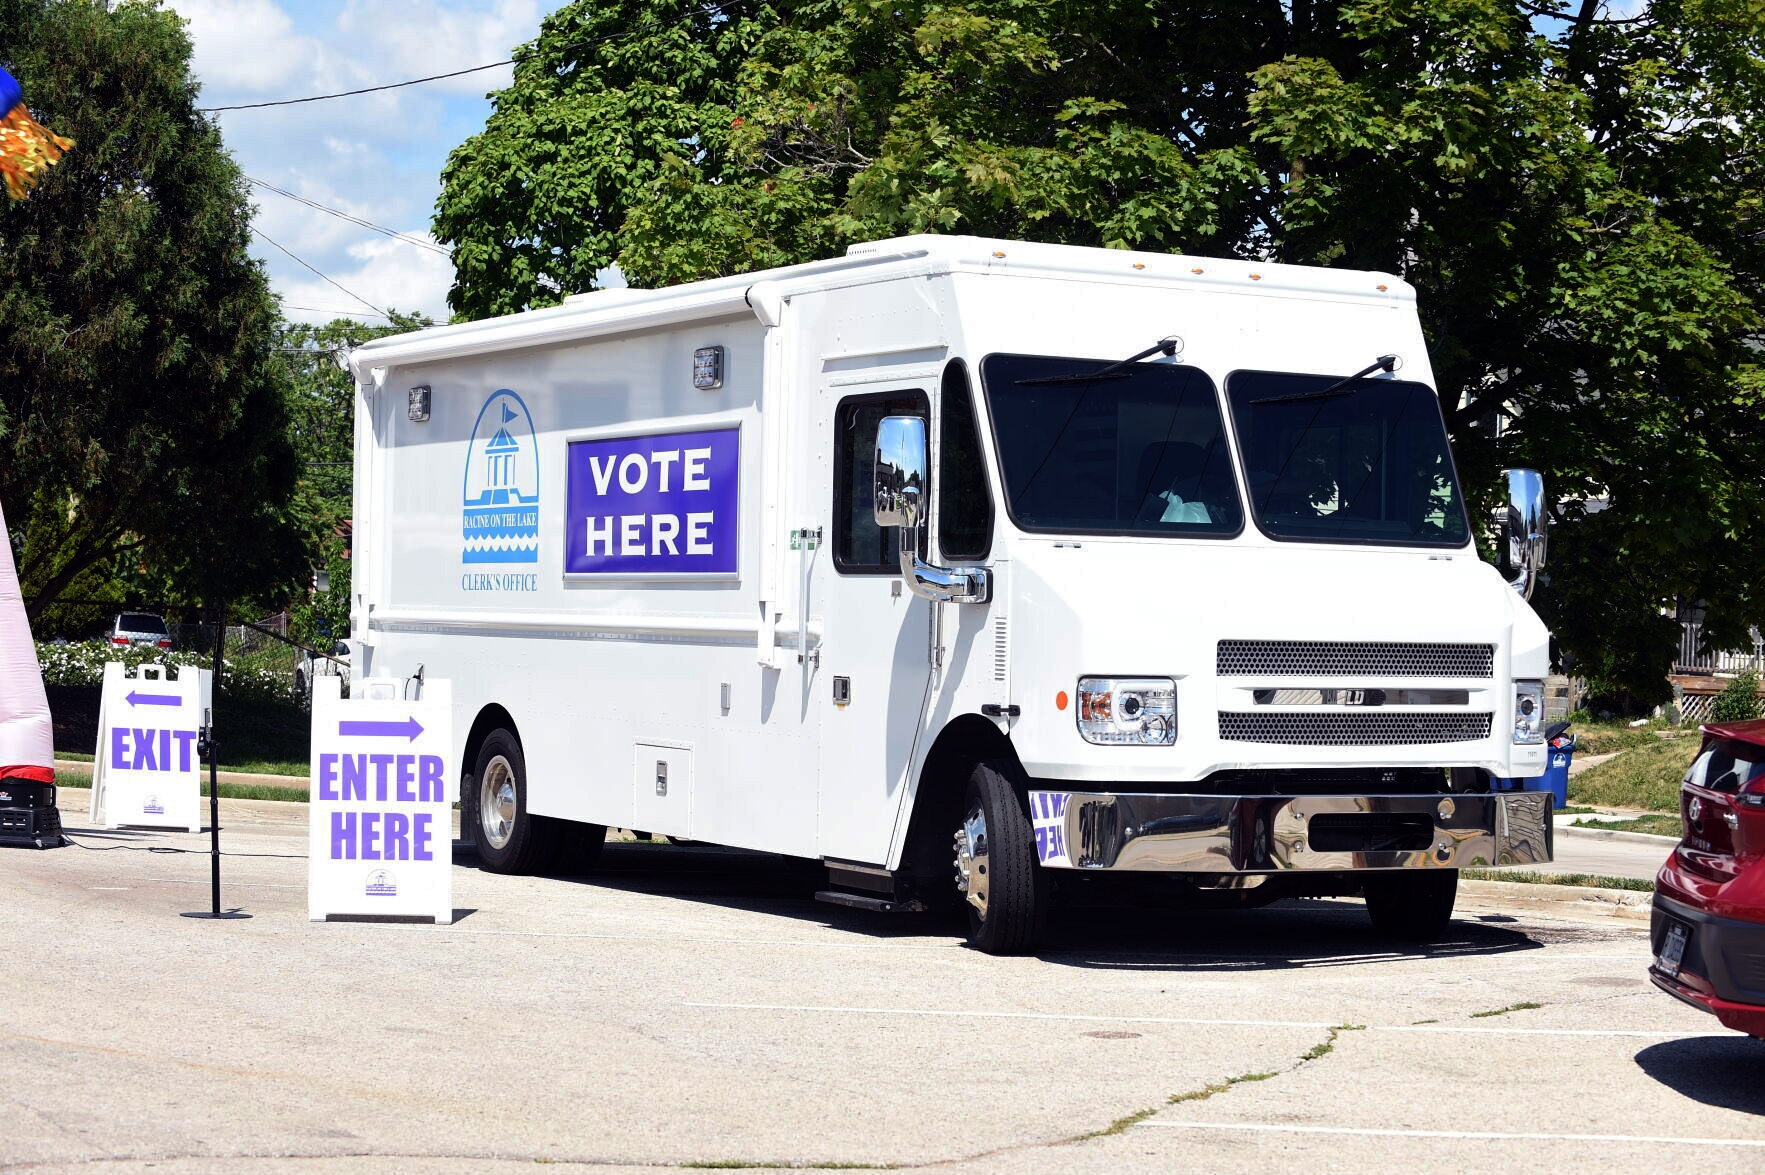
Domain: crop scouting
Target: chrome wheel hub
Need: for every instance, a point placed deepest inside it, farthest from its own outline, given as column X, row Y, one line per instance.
column 496, row 803
column 971, row 860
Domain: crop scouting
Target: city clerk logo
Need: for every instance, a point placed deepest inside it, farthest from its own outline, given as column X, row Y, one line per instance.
column 500, row 502
column 381, row 884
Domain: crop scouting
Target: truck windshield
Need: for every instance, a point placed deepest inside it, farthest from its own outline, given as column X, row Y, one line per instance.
column 1139, row 450
column 1369, row 464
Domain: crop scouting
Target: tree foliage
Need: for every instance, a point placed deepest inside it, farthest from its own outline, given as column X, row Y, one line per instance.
column 143, row 414
column 1576, row 197
column 322, row 428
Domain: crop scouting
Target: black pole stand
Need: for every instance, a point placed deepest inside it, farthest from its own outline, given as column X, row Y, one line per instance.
column 205, row 746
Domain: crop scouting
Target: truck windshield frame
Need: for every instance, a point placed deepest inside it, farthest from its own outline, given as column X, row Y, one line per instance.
column 1294, row 450
column 1138, row 451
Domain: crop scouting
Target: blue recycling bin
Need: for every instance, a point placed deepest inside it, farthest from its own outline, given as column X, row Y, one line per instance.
column 1556, row 771
column 1558, row 755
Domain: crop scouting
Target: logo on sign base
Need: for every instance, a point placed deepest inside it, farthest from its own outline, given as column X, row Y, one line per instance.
column 152, row 807
column 382, row 884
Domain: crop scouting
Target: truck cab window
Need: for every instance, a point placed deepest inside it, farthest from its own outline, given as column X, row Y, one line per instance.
column 1367, row 463
column 860, row 546
column 965, row 503
column 1137, row 451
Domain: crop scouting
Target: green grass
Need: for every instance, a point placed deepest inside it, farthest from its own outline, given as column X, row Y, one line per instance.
column 1572, row 810
column 1646, row 777
column 1654, row 825
column 256, row 767
column 1525, row 1007
column 1602, row 738
column 229, row 791
column 1527, row 877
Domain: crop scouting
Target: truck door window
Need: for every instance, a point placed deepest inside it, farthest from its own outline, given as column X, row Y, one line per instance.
column 965, row 503
column 860, row 546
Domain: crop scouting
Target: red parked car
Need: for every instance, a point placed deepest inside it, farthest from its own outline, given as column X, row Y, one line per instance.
column 1708, row 927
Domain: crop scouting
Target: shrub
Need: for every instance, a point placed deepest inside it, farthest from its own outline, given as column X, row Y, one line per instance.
column 83, row 664
column 1739, row 701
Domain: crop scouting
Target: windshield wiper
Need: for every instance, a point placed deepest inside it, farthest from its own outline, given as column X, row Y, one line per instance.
column 1339, row 388
column 1114, row 370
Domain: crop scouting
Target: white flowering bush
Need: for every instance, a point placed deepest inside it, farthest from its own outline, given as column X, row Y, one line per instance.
column 83, row 664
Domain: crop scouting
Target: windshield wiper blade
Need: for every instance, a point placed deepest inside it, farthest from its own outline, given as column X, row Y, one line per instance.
column 1340, row 387
column 1112, row 371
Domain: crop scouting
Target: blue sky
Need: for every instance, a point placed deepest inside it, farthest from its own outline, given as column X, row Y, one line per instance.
column 377, row 156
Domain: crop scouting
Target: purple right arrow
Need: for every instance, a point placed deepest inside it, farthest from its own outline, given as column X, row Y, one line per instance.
column 409, row 729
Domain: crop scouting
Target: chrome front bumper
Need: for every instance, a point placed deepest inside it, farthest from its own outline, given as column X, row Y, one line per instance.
column 1274, row 834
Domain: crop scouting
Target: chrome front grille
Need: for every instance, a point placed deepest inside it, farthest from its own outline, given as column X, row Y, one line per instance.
column 1384, row 729
column 1352, row 659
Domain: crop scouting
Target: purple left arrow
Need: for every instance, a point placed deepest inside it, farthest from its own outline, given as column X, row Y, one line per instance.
column 135, row 699
column 408, row 729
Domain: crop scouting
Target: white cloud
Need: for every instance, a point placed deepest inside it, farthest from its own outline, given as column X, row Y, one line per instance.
column 384, row 273
column 420, row 38
column 377, row 156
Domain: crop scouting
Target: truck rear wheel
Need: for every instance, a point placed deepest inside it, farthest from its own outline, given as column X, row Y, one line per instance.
column 511, row 839
column 1411, row 904
column 996, row 870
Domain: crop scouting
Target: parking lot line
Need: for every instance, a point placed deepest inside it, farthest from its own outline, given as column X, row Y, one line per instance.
column 1468, row 1135
column 983, row 1014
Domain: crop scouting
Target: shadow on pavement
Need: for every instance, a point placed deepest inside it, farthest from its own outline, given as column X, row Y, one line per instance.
column 1127, row 935
column 1719, row 1071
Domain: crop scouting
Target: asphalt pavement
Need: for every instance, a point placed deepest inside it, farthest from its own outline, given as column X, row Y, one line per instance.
column 692, row 1007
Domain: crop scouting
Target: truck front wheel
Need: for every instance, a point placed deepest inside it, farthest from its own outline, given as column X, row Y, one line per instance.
column 1004, row 890
column 1411, row 904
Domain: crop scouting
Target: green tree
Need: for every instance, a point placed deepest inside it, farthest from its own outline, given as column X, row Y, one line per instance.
column 322, row 427
column 1576, row 197
column 143, row 413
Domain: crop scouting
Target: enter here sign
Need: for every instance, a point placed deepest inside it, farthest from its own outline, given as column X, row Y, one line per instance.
column 380, row 830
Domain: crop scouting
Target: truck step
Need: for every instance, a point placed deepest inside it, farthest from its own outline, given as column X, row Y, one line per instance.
column 856, row 901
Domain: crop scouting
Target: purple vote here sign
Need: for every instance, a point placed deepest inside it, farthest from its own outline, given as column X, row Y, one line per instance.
column 665, row 504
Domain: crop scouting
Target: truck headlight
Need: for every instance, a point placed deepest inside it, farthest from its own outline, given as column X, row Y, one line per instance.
column 1137, row 711
column 1528, row 712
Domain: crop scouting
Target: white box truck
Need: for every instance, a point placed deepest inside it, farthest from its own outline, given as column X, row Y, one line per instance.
column 968, row 568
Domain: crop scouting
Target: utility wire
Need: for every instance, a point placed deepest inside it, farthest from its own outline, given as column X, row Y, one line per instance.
column 709, row 9
column 331, row 310
column 352, row 218
column 346, row 290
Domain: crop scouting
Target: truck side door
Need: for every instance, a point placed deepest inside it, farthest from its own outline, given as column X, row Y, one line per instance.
column 875, row 650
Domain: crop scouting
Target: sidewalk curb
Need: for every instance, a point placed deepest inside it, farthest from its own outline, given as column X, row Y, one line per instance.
column 1641, row 838
column 1628, row 904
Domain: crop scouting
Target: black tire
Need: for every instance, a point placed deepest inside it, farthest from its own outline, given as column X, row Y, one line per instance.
column 1006, row 893
column 511, row 839
column 1414, row 905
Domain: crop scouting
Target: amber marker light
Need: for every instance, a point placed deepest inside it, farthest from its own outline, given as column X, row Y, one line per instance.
column 1060, row 700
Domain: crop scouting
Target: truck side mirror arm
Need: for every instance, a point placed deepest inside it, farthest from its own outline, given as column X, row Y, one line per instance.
column 1523, row 531
column 900, row 481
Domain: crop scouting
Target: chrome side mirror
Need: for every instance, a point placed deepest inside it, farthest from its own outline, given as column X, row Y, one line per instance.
column 900, row 474
column 1524, row 530
column 899, row 497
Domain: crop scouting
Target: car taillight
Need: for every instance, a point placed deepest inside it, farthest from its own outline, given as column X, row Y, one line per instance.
column 164, row 642
column 119, row 640
column 1753, row 794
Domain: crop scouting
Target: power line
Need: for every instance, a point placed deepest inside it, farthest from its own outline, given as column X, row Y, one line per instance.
column 331, row 310
column 351, row 217
column 345, row 289
column 714, row 10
